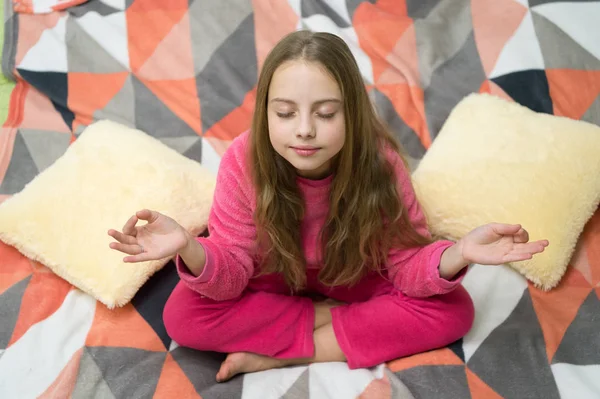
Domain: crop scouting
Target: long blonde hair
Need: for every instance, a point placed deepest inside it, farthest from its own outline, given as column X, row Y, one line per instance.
column 366, row 216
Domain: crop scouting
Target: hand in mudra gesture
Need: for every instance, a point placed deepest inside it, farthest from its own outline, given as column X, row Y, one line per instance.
column 498, row 243
column 161, row 237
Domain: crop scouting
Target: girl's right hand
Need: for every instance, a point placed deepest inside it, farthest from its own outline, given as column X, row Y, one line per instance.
column 161, row 237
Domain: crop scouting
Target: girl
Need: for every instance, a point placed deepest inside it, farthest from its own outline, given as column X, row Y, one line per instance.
column 316, row 200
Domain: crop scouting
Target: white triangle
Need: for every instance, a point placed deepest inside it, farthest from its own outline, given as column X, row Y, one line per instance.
column 110, row 32
column 579, row 20
column 495, row 291
column 340, row 7
column 336, row 380
column 321, row 23
column 49, row 54
column 211, row 160
column 117, row 4
column 275, row 382
column 174, row 345
column 575, row 381
column 521, row 52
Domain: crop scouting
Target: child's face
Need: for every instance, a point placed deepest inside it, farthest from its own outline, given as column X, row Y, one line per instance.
column 306, row 117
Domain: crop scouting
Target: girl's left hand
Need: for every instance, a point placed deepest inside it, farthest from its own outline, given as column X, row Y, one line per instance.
column 497, row 243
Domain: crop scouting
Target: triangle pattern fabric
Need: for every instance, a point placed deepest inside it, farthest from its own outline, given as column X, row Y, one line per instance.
column 49, row 52
column 121, row 108
column 419, row 9
column 577, row 19
column 236, row 122
column 21, row 169
column 103, row 8
column 300, row 388
column 320, row 7
column 221, row 88
column 593, row 112
column 444, row 382
column 11, row 301
column 581, row 345
column 90, row 381
column 137, row 374
column 554, row 40
column 45, row 147
column 173, row 383
column 438, row 357
column 557, row 308
column 577, row 381
column 122, row 327
column 521, row 52
column 573, row 91
column 63, row 385
column 154, row 117
column 478, row 388
column 82, row 49
column 19, row 264
column 272, row 21
column 492, row 31
column 517, row 341
column 529, row 88
column 402, row 63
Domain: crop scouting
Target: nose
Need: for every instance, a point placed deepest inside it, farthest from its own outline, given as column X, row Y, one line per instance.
column 306, row 129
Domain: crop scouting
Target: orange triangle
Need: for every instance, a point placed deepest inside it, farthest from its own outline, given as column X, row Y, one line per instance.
column 591, row 237
column 493, row 26
column 478, row 388
column 89, row 92
column 272, row 21
column 485, row 87
column 14, row 267
column 396, row 8
column 148, row 23
column 181, row 96
column 409, row 103
column 403, row 61
column 63, row 385
column 236, row 122
column 122, row 327
column 557, row 308
column 43, row 284
column 378, row 31
column 173, row 383
column 438, row 357
column 377, row 388
column 172, row 58
column 573, row 91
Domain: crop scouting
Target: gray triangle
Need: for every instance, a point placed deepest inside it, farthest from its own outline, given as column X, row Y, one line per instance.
column 592, row 115
column 201, row 369
column 419, row 9
column 154, row 117
column 405, row 134
column 559, row 49
column 229, row 75
column 459, row 76
column 84, row 54
column 208, row 19
column 137, row 373
column 195, row 151
column 581, row 342
column 98, row 7
column 533, row 3
column 21, row 169
column 441, row 35
column 121, row 108
column 399, row 389
column 443, row 382
column 45, row 146
column 514, row 355
column 90, row 381
column 180, row 144
column 352, row 5
column 300, row 388
column 9, row 311
column 320, row 7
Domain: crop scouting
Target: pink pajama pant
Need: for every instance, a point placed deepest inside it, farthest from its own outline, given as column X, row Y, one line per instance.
column 378, row 324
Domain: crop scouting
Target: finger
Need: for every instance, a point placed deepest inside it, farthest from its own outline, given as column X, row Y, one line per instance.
column 129, row 227
column 529, row 248
column 517, row 257
column 138, row 258
column 126, row 248
column 522, row 236
column 505, row 229
column 122, row 238
column 148, row 215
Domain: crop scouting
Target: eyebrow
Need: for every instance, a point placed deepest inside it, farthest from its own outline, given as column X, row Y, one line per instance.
column 319, row 102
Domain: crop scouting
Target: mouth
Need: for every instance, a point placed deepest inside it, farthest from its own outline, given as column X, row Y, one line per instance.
column 305, row 151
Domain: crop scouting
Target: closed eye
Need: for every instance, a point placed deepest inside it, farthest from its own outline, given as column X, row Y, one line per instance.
column 285, row 115
column 326, row 116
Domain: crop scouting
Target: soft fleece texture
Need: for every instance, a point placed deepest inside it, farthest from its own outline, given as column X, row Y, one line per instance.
column 230, row 246
column 61, row 218
column 497, row 161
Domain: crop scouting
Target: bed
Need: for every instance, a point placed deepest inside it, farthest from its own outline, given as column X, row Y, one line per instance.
column 185, row 72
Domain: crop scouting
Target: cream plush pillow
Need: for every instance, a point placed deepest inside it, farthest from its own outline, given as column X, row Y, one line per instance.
column 61, row 218
column 497, row 161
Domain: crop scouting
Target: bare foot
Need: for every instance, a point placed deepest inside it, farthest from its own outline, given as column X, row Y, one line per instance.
column 245, row 362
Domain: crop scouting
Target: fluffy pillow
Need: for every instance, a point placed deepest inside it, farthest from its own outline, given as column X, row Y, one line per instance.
column 497, row 161
column 61, row 218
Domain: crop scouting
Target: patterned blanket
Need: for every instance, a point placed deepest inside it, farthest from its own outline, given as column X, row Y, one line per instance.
column 185, row 71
